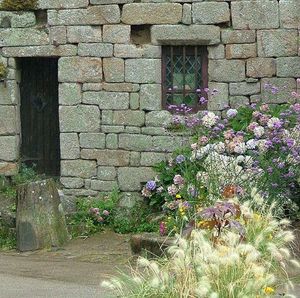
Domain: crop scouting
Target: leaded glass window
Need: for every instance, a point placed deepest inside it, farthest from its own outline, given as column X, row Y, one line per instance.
column 184, row 74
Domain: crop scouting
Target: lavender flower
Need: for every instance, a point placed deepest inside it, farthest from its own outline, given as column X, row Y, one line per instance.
column 231, row 113
column 151, row 185
column 180, row 159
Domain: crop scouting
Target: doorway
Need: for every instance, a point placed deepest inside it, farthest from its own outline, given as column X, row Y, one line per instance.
column 40, row 145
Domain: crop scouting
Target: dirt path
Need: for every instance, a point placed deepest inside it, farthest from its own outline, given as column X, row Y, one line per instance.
column 75, row 271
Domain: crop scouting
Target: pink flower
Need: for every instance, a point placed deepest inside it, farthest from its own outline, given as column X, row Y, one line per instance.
column 178, row 180
column 106, row 213
column 265, row 108
column 100, row 219
column 172, row 190
column 146, row 193
column 263, row 120
column 162, row 229
column 194, row 146
column 252, row 126
column 229, row 134
column 203, row 140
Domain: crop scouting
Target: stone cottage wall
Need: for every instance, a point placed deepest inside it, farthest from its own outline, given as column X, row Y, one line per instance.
column 111, row 119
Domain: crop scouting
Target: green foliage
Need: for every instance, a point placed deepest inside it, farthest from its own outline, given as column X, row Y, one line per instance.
column 19, row 5
column 7, row 239
column 25, row 175
column 3, row 71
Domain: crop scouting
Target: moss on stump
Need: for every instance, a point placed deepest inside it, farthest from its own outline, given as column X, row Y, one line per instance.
column 19, row 5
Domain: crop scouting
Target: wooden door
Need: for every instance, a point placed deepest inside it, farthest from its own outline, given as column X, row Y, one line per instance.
column 39, row 114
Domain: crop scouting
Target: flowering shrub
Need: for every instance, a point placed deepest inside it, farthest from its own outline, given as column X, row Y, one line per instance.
column 255, row 146
column 225, row 265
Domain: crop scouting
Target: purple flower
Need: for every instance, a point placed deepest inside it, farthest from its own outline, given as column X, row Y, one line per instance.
column 281, row 165
column 203, row 101
column 162, row 229
column 231, row 113
column 180, row 159
column 290, row 142
column 270, row 170
column 151, row 185
column 178, row 179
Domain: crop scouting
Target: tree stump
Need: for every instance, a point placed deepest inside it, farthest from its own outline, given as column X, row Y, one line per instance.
column 40, row 217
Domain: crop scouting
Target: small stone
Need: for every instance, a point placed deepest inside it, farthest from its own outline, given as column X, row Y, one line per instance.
column 150, row 97
column 134, row 101
column 226, row 70
column 238, row 101
column 238, row 36
column 135, row 158
column 158, row 118
column 106, row 186
column 58, row 35
column 187, row 14
column 134, row 118
column 289, row 14
column 259, row 14
column 78, row 168
column 151, row 13
column 9, row 148
column 127, row 51
column 107, row 100
column 143, row 70
column 210, row 13
column 116, row 33
column 8, row 168
column 81, row 118
column 288, row 67
column 8, row 125
column 95, row 49
column 111, row 141
column 216, row 52
column 92, row 140
column 69, row 146
column 152, row 158
column 135, row 142
column 114, row 69
column 244, row 88
column 240, row 51
column 70, row 94
column 68, row 182
column 84, row 34
column 107, row 173
column 220, row 100
column 87, row 69
column 261, row 67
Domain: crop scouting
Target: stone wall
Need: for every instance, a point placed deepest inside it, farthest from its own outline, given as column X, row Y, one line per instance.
column 111, row 120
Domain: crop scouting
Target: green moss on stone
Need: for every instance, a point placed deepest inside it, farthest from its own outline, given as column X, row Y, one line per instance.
column 19, row 5
column 3, row 71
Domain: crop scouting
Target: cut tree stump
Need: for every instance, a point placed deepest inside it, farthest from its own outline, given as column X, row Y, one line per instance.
column 40, row 217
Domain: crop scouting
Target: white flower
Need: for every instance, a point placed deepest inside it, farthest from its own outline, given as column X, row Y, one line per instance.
column 220, row 147
column 240, row 148
column 210, row 119
column 231, row 113
column 274, row 122
column 251, row 144
column 259, row 131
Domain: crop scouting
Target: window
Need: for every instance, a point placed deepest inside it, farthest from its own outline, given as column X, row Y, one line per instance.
column 184, row 75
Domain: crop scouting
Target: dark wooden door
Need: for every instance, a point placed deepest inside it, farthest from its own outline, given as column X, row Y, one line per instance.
column 39, row 114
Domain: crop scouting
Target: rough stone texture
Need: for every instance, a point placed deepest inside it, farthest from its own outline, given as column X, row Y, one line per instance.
column 95, row 49
column 158, row 118
column 40, row 51
column 79, row 118
column 92, row 140
column 261, row 67
column 70, row 94
column 23, row 37
column 240, row 51
column 118, row 158
column 210, row 12
column 107, row 100
column 116, row 33
column 134, row 118
column 220, row 100
column 58, row 35
column 77, row 34
column 244, row 88
column 114, row 69
column 226, row 70
column 72, row 182
column 151, row 13
column 69, row 146
column 238, row 36
column 259, row 14
column 187, row 14
column 127, row 51
column 58, row 4
column 107, row 186
column 289, row 13
column 151, row 158
column 130, row 179
column 107, row 173
column 78, row 168
column 8, row 123
column 143, row 70
column 185, row 35
column 288, row 67
column 93, row 15
column 216, row 52
column 150, row 97
column 112, row 141
column 135, row 142
column 17, row 20
column 87, row 69
column 277, row 43
column 9, row 148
